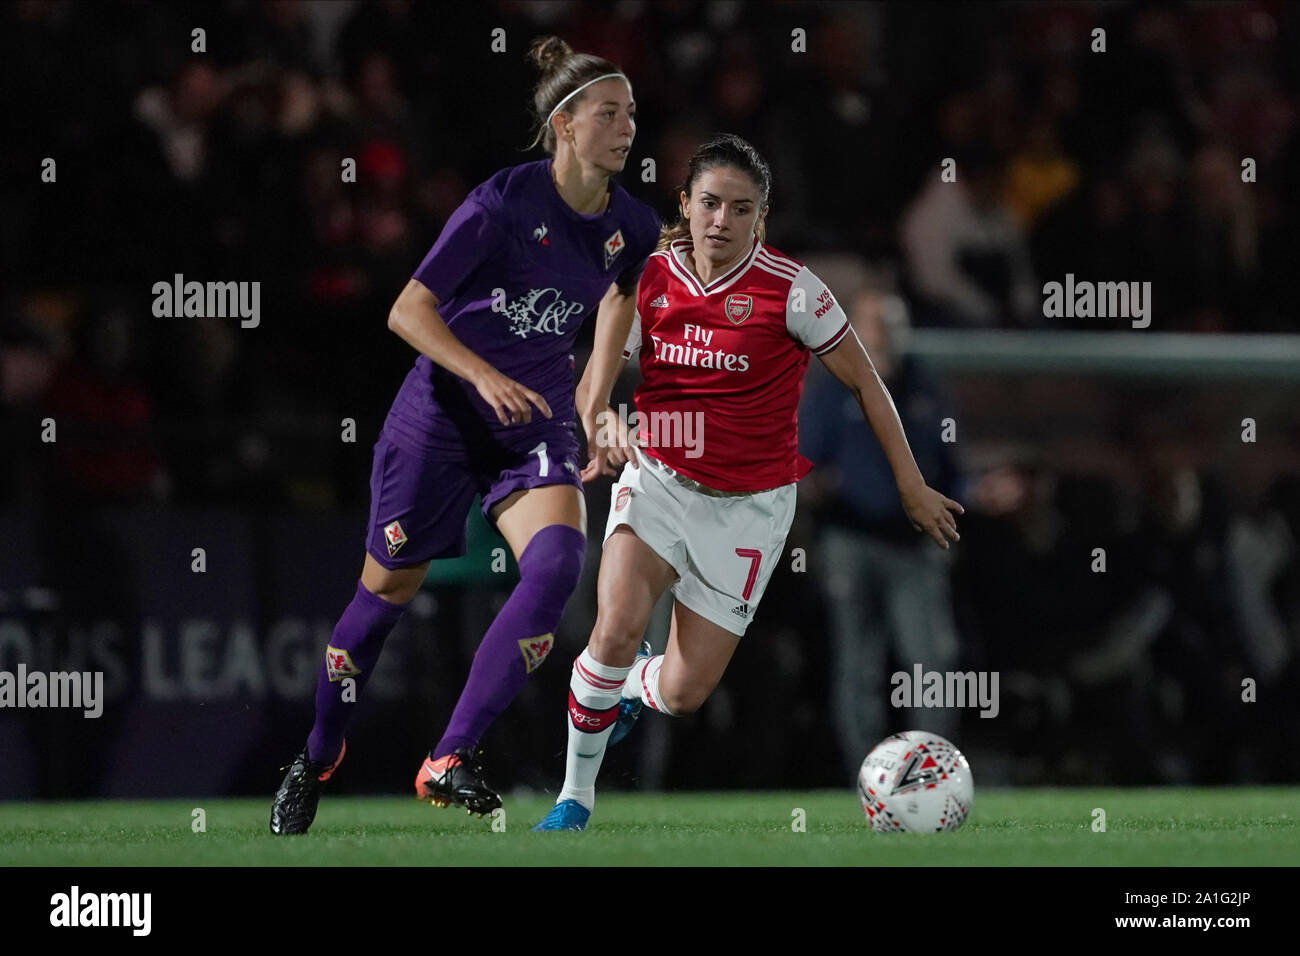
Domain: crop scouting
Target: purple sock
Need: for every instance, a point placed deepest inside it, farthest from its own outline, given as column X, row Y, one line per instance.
column 520, row 637
column 352, row 652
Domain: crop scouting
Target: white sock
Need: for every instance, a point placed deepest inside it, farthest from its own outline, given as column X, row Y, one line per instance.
column 643, row 684
column 594, row 692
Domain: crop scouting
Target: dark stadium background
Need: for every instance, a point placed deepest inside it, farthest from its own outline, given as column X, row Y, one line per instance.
column 182, row 433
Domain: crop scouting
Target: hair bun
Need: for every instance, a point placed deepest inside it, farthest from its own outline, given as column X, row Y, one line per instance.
column 549, row 53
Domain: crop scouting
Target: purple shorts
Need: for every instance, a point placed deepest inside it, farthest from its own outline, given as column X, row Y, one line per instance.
column 419, row 506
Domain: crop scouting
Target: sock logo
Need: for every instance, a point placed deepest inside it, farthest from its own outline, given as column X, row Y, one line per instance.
column 339, row 665
column 535, row 650
column 394, row 537
column 590, row 721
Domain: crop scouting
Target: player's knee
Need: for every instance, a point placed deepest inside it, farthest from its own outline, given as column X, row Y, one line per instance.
column 393, row 588
column 554, row 558
column 683, row 700
column 616, row 636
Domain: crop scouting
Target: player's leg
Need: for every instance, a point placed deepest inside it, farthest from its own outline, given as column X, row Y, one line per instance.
column 643, row 554
column 546, row 530
column 381, row 598
column 545, row 526
column 733, row 547
column 394, row 585
column 681, row 679
column 676, row 682
column 358, row 637
column 408, row 526
column 631, row 580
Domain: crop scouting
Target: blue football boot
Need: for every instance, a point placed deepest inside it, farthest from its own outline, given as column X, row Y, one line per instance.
column 565, row 815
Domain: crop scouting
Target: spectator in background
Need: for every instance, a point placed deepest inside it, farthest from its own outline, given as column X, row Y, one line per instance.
column 181, row 116
column 1182, row 556
column 841, row 97
column 966, row 257
column 1154, row 238
column 676, row 144
column 106, row 451
column 1072, row 645
column 210, row 394
column 887, row 590
column 1264, row 552
column 33, row 330
column 1261, row 545
column 1224, row 241
column 1011, row 578
column 1039, row 176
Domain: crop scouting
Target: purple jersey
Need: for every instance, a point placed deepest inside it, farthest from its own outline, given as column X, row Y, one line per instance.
column 516, row 271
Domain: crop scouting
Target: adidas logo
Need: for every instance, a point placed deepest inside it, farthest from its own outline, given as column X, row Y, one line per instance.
column 660, row 303
column 741, row 610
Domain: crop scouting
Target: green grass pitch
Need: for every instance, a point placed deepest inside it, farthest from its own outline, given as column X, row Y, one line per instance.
column 1144, row 827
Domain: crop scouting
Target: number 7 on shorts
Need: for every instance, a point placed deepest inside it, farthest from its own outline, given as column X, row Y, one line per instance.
column 755, row 559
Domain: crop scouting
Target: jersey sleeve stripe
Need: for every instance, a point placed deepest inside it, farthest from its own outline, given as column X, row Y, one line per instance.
column 834, row 340
column 782, row 260
column 775, row 264
column 776, row 272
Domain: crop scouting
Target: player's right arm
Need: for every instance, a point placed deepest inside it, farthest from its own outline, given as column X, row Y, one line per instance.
column 414, row 317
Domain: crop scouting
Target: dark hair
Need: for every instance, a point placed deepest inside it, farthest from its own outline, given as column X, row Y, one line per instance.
column 726, row 149
column 563, row 71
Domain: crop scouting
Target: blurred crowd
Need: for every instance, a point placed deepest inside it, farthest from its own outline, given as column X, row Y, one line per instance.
column 1166, row 149
column 1121, row 165
column 1142, row 610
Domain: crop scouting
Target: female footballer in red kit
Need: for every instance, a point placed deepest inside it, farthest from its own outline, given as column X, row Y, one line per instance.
column 724, row 325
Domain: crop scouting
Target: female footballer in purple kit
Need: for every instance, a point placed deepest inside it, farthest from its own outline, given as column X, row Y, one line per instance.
column 489, row 409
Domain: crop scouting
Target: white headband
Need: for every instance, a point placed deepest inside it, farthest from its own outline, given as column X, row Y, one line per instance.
column 580, row 89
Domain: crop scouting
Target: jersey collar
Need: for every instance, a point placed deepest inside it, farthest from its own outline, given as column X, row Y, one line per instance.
column 680, row 248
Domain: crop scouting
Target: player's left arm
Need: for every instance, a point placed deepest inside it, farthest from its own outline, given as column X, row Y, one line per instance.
column 927, row 509
column 814, row 318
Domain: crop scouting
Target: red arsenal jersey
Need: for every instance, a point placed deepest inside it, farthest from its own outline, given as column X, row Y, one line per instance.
column 723, row 365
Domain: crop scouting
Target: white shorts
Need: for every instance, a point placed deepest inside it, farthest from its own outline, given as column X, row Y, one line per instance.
column 723, row 545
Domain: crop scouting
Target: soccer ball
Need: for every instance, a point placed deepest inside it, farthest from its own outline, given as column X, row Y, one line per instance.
column 915, row 782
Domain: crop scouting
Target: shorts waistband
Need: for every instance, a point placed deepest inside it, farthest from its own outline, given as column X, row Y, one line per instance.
column 694, row 485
